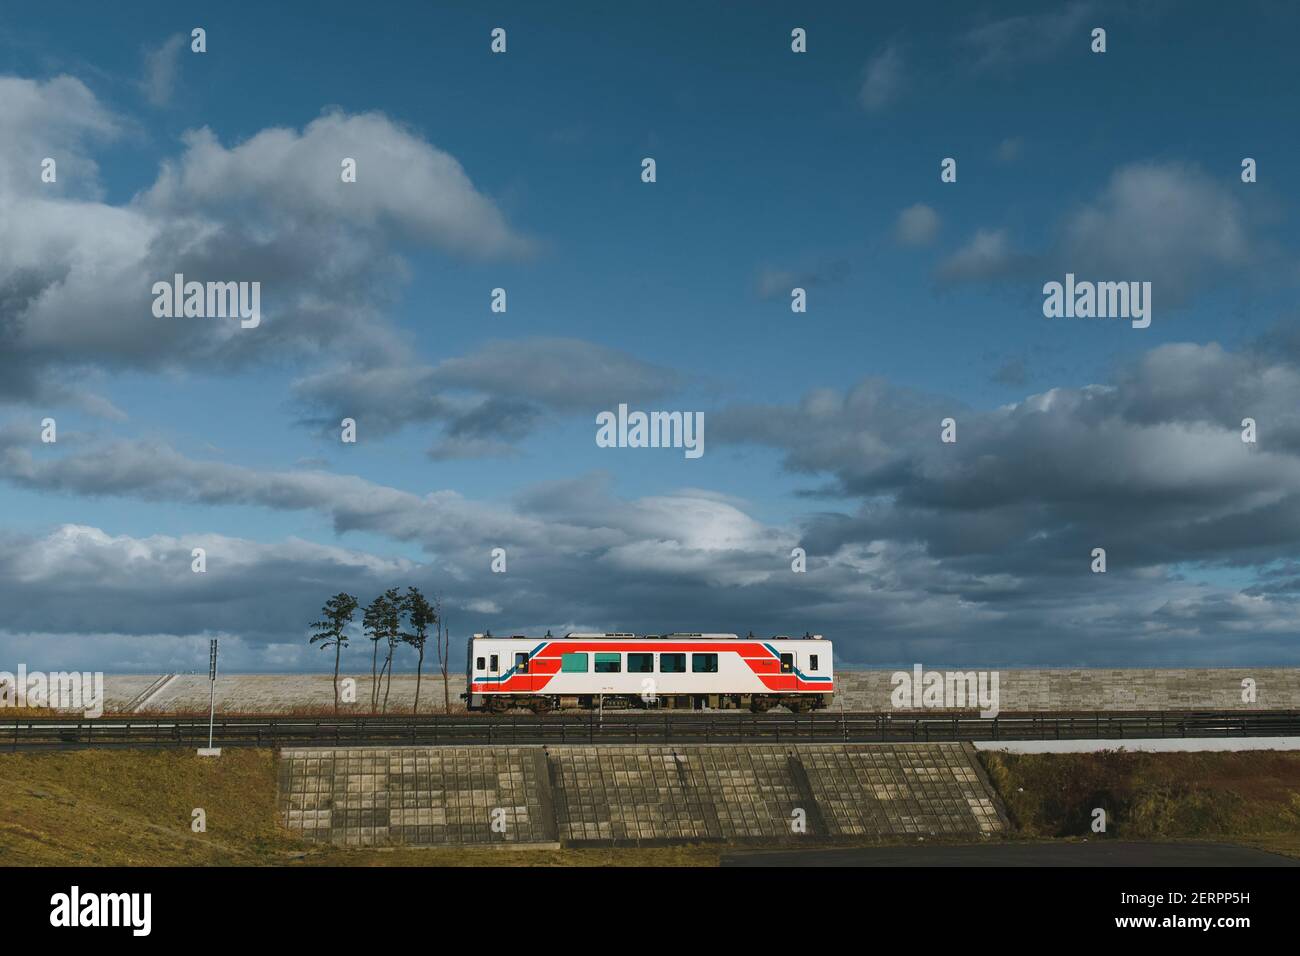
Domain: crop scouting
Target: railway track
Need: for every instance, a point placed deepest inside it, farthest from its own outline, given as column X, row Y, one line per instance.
column 56, row 733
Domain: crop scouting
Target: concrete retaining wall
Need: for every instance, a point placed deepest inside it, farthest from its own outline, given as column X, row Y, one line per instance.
column 1089, row 690
column 1020, row 690
column 417, row 795
column 642, row 794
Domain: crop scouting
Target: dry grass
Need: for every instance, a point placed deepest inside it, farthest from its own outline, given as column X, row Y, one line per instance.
column 133, row 808
column 1248, row 798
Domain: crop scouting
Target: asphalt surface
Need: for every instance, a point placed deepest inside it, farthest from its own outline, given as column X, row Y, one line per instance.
column 1091, row 854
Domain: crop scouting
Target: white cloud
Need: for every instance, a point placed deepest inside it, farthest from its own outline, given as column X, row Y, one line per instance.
column 160, row 67
column 59, row 118
column 76, row 273
column 883, row 79
column 1028, row 38
column 1166, row 223
column 986, row 255
column 1009, row 149
column 403, row 183
column 917, row 225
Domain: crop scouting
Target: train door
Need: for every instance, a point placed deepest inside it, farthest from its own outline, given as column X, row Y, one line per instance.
column 788, row 680
column 521, row 671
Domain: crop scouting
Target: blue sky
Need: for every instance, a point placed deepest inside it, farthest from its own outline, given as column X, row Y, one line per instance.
column 775, row 169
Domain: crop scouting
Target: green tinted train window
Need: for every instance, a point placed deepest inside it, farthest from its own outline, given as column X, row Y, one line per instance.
column 573, row 663
column 672, row 663
column 704, row 663
column 607, row 663
column 640, row 663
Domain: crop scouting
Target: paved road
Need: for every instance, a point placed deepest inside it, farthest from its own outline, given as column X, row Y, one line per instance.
column 1098, row 854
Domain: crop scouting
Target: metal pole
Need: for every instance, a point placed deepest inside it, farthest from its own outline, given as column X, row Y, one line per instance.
column 212, row 698
column 212, row 709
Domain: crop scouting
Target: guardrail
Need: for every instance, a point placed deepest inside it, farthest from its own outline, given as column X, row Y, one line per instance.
column 71, row 733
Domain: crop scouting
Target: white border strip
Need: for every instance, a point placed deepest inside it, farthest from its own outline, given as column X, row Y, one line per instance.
column 1141, row 745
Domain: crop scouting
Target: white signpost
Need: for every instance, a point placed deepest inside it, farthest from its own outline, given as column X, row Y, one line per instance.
column 209, row 750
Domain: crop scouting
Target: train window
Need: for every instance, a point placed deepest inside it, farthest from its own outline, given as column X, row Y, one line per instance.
column 521, row 662
column 480, row 664
column 704, row 663
column 672, row 663
column 573, row 663
column 493, row 668
column 812, row 662
column 787, row 663
column 608, row 663
column 640, row 663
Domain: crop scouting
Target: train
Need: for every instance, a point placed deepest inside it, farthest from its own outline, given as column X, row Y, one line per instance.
column 652, row 671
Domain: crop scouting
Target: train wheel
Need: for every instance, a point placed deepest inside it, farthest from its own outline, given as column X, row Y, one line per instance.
column 542, row 705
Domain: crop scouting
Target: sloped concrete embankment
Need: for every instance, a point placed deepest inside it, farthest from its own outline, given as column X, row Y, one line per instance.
column 577, row 795
column 1082, row 690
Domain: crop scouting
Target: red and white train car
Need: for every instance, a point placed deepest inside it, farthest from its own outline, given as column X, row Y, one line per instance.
column 670, row 670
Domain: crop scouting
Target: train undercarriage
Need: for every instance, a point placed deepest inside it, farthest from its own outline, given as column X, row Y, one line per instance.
column 756, row 703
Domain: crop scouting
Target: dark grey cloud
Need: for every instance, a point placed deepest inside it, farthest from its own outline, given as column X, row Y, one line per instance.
column 975, row 552
column 559, row 373
column 1152, row 463
column 486, row 400
column 1014, row 371
column 775, row 283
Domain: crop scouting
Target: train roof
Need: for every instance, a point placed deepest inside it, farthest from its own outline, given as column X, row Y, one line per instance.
column 630, row 636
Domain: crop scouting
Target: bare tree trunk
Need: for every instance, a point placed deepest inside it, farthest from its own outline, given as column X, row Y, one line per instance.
column 388, row 685
column 444, row 651
column 337, row 648
column 419, row 666
column 374, row 678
